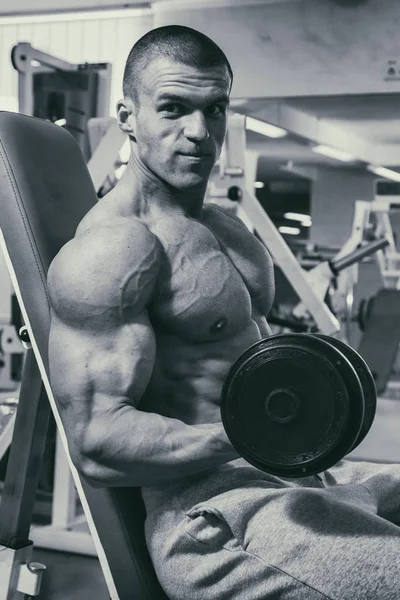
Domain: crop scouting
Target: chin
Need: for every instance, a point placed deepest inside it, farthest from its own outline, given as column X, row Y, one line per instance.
column 187, row 182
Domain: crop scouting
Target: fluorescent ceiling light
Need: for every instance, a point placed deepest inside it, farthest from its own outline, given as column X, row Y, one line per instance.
column 297, row 216
column 305, row 220
column 382, row 172
column 63, row 16
column 264, row 128
column 234, row 103
column 259, row 185
column 289, row 230
column 333, row 153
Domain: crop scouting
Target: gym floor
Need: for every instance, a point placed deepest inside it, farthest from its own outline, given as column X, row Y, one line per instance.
column 382, row 442
column 70, row 576
column 75, row 577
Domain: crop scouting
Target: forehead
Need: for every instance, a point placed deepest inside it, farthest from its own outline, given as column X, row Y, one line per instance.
column 164, row 75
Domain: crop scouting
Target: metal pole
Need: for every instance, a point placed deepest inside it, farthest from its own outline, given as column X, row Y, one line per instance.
column 358, row 255
column 25, row 458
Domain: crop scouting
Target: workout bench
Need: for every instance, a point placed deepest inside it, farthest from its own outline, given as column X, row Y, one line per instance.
column 45, row 190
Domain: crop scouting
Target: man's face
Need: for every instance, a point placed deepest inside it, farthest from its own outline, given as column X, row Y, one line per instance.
column 181, row 121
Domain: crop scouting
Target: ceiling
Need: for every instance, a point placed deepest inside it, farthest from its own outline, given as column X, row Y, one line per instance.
column 373, row 117
column 28, row 7
column 367, row 126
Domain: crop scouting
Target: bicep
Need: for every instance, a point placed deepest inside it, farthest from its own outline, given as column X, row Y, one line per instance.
column 101, row 345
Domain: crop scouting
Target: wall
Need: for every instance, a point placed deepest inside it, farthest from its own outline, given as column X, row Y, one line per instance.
column 332, row 203
column 311, row 47
column 94, row 40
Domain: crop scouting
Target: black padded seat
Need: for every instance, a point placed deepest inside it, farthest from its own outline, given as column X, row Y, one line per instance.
column 45, row 190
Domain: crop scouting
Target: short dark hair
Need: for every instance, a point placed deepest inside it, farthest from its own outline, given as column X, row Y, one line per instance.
column 179, row 43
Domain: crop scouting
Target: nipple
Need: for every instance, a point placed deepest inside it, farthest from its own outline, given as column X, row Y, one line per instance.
column 219, row 325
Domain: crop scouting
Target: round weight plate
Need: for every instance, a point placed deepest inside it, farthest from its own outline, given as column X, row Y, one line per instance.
column 367, row 384
column 285, row 405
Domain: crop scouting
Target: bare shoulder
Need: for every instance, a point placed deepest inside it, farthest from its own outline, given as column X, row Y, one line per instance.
column 105, row 211
column 223, row 215
column 104, row 270
column 225, row 221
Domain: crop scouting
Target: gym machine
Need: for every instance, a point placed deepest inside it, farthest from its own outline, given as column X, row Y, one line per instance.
column 378, row 316
column 62, row 92
column 11, row 359
column 109, row 145
column 69, row 95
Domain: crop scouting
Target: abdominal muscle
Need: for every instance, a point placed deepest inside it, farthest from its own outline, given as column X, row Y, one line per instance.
column 187, row 379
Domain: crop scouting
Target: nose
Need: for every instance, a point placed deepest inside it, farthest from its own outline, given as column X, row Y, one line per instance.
column 196, row 127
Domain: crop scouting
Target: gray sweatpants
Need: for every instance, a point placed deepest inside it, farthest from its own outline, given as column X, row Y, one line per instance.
column 240, row 534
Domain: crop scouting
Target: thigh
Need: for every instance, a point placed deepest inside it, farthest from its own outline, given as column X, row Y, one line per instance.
column 257, row 542
column 197, row 555
column 332, row 540
column 382, row 481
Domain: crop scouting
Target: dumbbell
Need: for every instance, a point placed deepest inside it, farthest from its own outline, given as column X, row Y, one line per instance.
column 293, row 405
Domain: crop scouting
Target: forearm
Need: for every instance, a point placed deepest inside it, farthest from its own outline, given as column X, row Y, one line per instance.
column 146, row 449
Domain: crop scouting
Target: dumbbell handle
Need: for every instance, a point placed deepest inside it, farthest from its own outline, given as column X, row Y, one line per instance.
column 357, row 255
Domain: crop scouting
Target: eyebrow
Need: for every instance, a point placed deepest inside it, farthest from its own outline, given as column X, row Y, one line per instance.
column 176, row 98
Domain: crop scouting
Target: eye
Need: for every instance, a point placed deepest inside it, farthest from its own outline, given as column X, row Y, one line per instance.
column 172, row 108
column 215, row 110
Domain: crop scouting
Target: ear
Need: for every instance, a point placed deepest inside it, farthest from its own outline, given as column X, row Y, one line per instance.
column 126, row 116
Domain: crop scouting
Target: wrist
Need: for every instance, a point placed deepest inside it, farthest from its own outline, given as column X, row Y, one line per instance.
column 226, row 445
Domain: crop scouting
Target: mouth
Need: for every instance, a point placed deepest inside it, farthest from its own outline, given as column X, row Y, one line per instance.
column 195, row 155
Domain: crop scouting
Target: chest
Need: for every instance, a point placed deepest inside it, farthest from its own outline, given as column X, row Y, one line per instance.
column 212, row 276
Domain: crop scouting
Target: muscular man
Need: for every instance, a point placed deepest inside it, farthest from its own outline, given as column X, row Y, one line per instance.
column 152, row 302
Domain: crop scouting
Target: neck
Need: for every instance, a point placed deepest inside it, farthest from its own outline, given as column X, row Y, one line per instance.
column 149, row 195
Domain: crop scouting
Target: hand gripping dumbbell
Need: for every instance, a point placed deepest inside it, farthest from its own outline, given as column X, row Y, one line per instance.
column 293, row 405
